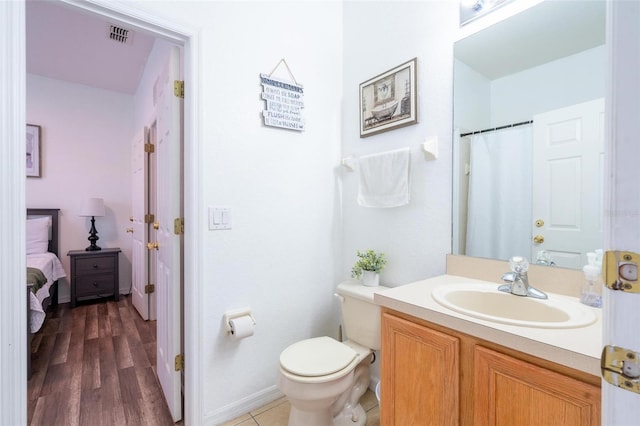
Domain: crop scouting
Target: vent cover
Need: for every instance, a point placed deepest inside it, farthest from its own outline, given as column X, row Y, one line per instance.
column 120, row 34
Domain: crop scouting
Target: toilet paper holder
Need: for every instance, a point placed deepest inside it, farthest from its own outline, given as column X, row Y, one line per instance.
column 237, row 313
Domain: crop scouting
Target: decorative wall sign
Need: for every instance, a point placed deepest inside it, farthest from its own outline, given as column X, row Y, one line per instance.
column 388, row 101
column 33, row 151
column 284, row 101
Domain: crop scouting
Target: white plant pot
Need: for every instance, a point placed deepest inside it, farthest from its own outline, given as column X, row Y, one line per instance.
column 370, row 278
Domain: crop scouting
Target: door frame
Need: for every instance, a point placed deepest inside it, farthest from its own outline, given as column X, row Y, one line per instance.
column 13, row 352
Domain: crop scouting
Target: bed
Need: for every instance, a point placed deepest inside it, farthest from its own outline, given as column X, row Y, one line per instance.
column 44, row 268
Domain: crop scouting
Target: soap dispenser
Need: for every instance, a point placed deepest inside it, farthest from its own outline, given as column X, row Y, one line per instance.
column 592, row 288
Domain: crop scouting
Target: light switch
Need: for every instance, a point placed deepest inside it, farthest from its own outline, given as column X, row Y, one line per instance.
column 219, row 218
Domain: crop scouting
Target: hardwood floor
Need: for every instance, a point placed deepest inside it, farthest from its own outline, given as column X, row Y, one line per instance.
column 95, row 365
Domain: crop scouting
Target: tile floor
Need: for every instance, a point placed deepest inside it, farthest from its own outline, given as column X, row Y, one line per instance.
column 277, row 413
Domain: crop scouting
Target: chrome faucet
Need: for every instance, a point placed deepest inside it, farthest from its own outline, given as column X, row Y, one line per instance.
column 517, row 281
column 544, row 258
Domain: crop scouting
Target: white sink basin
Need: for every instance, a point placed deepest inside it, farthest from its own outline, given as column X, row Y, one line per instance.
column 484, row 301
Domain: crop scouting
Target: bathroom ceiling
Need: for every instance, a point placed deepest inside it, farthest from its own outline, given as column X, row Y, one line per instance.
column 534, row 37
column 68, row 44
column 65, row 43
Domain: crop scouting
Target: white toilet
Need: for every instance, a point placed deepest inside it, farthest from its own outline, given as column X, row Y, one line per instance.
column 323, row 378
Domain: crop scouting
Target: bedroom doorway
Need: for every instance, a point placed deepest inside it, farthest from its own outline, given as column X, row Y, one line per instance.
column 169, row 338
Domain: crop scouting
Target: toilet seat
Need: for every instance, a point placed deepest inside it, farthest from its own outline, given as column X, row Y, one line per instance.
column 317, row 357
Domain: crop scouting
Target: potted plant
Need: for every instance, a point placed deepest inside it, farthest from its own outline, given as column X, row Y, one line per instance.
column 368, row 266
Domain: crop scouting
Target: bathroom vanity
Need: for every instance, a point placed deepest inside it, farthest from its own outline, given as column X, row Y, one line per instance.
column 443, row 367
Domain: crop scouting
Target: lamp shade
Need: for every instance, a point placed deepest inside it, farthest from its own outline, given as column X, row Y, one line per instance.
column 93, row 207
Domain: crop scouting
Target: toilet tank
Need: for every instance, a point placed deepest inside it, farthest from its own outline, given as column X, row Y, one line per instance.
column 360, row 315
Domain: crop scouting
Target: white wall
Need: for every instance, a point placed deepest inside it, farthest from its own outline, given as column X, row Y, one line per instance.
column 280, row 257
column 567, row 81
column 417, row 236
column 471, row 99
column 85, row 153
column 481, row 103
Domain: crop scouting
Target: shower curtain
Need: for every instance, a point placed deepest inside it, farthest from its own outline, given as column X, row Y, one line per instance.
column 500, row 181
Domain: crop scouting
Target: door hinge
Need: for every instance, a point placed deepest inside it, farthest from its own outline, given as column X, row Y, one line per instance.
column 149, row 288
column 621, row 367
column 620, row 271
column 149, row 218
column 178, row 226
column 179, row 362
column 149, row 147
column 178, row 89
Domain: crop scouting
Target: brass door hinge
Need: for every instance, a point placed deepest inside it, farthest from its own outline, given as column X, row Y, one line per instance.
column 178, row 89
column 149, row 218
column 179, row 362
column 178, row 226
column 621, row 367
column 149, row 147
column 149, row 288
column 620, row 271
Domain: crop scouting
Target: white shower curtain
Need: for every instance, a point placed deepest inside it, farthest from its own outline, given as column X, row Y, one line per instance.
column 499, row 215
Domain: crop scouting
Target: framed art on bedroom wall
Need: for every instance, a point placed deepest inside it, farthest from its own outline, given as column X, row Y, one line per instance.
column 33, row 151
column 388, row 101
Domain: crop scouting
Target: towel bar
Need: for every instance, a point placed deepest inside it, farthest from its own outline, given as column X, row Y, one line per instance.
column 429, row 147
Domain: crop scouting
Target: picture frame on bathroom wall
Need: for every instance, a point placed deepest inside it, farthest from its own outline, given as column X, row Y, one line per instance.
column 33, row 151
column 388, row 100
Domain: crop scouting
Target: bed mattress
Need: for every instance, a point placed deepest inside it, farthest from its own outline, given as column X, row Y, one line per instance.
column 52, row 268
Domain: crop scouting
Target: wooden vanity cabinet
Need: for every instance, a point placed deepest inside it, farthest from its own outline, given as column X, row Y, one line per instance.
column 420, row 374
column 432, row 375
column 513, row 392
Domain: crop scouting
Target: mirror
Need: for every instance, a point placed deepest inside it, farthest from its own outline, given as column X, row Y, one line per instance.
column 545, row 67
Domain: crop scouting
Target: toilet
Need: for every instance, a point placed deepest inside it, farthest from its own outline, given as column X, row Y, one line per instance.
column 323, row 378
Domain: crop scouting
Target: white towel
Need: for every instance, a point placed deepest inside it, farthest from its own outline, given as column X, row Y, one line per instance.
column 384, row 179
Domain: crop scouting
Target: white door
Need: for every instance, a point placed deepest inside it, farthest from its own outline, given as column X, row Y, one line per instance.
column 621, row 310
column 168, row 272
column 139, row 191
column 568, row 161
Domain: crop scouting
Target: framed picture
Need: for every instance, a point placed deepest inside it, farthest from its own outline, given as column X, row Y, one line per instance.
column 388, row 101
column 33, row 151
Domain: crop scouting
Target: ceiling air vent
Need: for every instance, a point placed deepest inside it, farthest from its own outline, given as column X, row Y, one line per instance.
column 119, row 34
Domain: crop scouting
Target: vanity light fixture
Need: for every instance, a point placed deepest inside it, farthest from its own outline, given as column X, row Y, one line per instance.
column 472, row 9
column 93, row 207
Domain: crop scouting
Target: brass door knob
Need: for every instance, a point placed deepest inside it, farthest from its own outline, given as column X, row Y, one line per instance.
column 130, row 230
column 538, row 239
column 152, row 246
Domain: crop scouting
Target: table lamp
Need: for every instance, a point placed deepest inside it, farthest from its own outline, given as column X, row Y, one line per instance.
column 93, row 207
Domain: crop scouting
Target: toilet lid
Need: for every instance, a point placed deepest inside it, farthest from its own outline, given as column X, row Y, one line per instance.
column 315, row 357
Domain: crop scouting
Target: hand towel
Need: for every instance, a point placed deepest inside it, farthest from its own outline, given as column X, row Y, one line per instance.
column 384, row 179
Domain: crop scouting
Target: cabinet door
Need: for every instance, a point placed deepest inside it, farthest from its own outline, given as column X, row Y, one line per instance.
column 509, row 391
column 420, row 369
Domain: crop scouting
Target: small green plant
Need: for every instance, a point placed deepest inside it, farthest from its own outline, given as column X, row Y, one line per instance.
column 368, row 261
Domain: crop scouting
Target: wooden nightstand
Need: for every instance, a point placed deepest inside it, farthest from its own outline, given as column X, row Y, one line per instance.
column 94, row 274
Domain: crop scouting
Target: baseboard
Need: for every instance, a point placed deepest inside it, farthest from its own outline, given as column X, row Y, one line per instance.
column 243, row 406
column 251, row 402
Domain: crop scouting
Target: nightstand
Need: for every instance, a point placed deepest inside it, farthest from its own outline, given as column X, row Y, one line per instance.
column 94, row 274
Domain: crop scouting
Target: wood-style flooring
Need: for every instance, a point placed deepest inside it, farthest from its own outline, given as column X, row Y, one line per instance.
column 95, row 365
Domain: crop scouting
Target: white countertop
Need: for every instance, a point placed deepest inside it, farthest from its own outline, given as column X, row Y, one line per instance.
column 578, row 348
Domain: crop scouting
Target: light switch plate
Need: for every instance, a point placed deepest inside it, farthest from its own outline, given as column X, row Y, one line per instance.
column 219, row 218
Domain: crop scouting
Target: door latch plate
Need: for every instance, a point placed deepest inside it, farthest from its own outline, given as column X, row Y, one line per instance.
column 621, row 271
column 621, row 367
